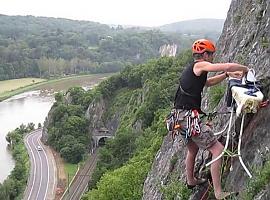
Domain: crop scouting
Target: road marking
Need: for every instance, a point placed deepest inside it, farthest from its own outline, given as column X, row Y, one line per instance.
column 54, row 176
column 48, row 168
column 39, row 187
column 28, row 141
column 30, row 193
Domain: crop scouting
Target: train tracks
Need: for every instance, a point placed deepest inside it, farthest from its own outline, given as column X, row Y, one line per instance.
column 80, row 182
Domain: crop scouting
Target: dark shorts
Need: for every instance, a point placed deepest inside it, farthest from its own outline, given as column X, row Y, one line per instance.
column 205, row 139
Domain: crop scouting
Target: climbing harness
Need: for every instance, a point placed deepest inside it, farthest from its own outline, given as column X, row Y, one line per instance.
column 173, row 122
column 175, row 119
column 252, row 101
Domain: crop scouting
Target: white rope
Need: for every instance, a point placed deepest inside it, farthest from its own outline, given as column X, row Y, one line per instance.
column 239, row 144
column 240, row 136
column 227, row 141
column 218, row 133
column 239, row 147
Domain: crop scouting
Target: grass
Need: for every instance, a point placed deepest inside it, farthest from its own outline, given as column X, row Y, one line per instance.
column 216, row 93
column 259, row 182
column 14, row 84
column 70, row 170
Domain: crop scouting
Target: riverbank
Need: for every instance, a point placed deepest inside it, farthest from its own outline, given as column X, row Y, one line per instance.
column 35, row 85
column 13, row 187
column 34, row 107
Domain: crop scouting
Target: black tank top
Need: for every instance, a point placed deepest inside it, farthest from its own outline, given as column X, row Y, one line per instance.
column 188, row 95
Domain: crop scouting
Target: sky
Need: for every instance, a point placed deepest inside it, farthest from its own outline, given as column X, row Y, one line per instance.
column 123, row 12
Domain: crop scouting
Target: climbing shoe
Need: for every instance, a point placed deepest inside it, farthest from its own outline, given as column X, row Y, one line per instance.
column 225, row 195
column 200, row 181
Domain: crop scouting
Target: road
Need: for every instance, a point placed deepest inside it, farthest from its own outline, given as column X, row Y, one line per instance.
column 42, row 179
column 80, row 182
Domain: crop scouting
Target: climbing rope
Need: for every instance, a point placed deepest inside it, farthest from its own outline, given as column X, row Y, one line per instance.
column 227, row 141
column 229, row 126
column 239, row 147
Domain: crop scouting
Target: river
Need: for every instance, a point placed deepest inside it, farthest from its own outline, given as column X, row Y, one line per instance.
column 32, row 106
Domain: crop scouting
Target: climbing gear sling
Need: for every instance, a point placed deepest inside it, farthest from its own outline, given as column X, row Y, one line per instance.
column 175, row 123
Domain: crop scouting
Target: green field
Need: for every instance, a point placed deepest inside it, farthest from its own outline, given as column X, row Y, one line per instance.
column 10, row 85
column 16, row 86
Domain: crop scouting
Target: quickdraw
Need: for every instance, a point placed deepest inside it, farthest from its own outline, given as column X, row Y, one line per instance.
column 175, row 119
column 173, row 123
column 193, row 123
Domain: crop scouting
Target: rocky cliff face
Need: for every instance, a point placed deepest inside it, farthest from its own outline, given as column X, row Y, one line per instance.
column 246, row 35
column 245, row 39
column 95, row 113
column 168, row 50
column 107, row 113
column 48, row 120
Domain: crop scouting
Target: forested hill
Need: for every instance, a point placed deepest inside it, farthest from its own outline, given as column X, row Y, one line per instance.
column 210, row 27
column 44, row 47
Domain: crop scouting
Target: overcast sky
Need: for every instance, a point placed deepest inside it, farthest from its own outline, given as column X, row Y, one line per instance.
column 124, row 12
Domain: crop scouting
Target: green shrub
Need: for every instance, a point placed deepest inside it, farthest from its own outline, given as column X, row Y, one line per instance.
column 260, row 180
column 215, row 95
column 175, row 188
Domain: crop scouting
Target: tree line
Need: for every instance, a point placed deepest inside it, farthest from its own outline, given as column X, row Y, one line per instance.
column 49, row 47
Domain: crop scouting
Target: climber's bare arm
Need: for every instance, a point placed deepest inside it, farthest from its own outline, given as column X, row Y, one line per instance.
column 218, row 78
column 205, row 66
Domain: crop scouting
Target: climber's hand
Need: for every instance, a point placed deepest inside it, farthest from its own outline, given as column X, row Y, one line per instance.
column 236, row 74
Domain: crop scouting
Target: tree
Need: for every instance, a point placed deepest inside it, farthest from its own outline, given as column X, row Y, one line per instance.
column 73, row 153
column 76, row 94
column 66, row 141
column 75, row 126
column 65, row 152
column 39, row 125
column 59, row 97
column 78, row 151
column 30, row 126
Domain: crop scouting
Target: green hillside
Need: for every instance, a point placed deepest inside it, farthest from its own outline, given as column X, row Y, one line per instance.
column 141, row 95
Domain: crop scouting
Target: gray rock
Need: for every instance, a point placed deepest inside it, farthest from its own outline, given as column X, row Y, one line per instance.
column 245, row 39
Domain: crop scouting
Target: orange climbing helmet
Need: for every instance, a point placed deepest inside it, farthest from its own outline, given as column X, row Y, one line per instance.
column 203, row 45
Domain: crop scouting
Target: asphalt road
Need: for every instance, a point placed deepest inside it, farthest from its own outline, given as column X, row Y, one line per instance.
column 42, row 179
